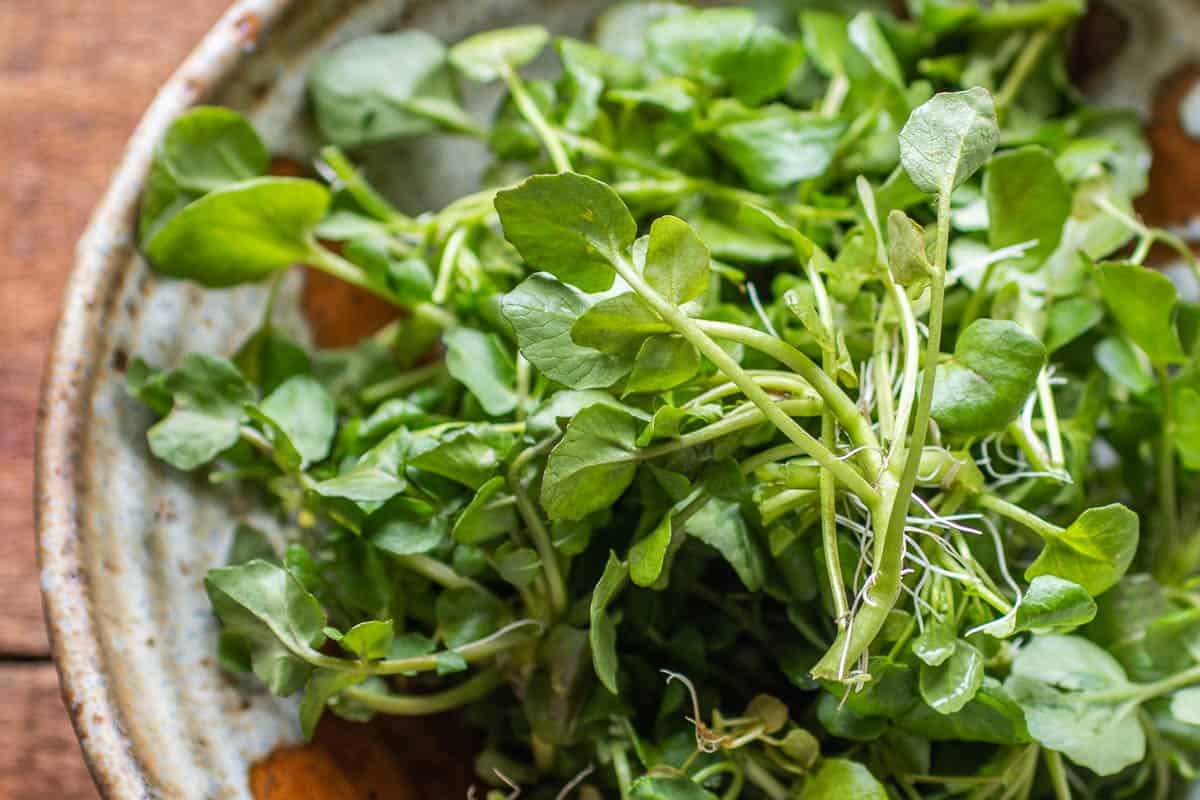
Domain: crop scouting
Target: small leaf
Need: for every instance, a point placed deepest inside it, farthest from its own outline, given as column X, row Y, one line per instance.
column 249, row 543
column 375, row 478
column 1185, row 706
column 188, row 439
column 1187, row 427
column 405, row 526
column 303, row 410
column 947, row 139
column 676, row 261
column 593, row 464
column 1143, row 302
column 465, row 615
column 1070, row 318
column 1051, row 604
column 653, row 787
column 845, row 780
column 867, row 37
column 517, row 565
column 569, row 225
column 480, row 362
column 1094, row 552
column 778, row 150
column 949, row 686
column 1125, row 365
column 648, row 555
column 240, row 233
column 603, row 631
column 321, row 688
column 485, row 56
column 369, row 641
column 490, row 514
column 995, row 367
column 936, row 643
column 1016, row 182
column 662, row 363
column 720, row 525
column 469, row 455
column 618, row 325
column 907, row 254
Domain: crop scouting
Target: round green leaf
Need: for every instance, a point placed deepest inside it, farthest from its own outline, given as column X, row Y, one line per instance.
column 947, row 139
column 1094, row 552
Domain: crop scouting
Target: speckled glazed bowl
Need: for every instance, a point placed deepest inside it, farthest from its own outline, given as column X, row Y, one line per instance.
column 125, row 541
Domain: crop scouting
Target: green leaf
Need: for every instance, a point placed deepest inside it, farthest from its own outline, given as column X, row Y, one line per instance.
column 209, row 396
column 485, row 56
column 1016, row 182
column 1125, row 365
column 652, row 787
column 552, row 416
column 907, row 253
column 1051, row 604
column 303, row 411
column 603, row 631
column 1185, row 706
column 662, row 363
column 843, row 779
column 490, row 514
column 1052, row 678
column 480, row 362
column 405, row 526
column 468, row 455
column 465, row 615
column 249, row 543
column 949, row 686
column 867, row 37
column 741, row 244
column 268, row 358
column 517, row 565
column 1070, row 318
column 725, row 48
column 993, row 716
column 569, row 225
column 618, row 325
column 1143, row 302
column 240, row 233
column 721, row 526
column 188, row 439
column 648, row 555
column 321, row 688
column 593, row 464
column 1094, row 552
column 385, row 86
column 948, row 138
column 369, row 641
column 778, row 150
column 995, row 367
column 278, row 620
column 206, row 148
column 677, row 261
column 1187, row 427
column 936, row 643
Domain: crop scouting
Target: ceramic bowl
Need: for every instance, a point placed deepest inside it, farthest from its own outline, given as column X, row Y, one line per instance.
column 124, row 540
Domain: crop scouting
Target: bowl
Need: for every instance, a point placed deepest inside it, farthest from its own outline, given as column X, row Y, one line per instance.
column 124, row 540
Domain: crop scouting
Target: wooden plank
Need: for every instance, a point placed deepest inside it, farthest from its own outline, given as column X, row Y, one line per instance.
column 74, row 79
column 39, row 756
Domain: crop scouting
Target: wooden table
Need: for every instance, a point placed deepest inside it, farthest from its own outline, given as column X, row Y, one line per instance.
column 74, row 79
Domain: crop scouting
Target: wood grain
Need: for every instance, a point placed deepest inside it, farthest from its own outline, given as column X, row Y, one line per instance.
column 74, row 79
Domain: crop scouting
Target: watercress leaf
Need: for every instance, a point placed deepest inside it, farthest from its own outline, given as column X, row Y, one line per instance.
column 491, row 513
column 374, row 478
column 405, row 526
column 949, row 686
column 486, row 56
column 603, row 631
column 618, row 325
column 468, row 455
column 593, row 464
column 551, row 417
column 1050, row 604
column 844, row 779
column 1020, row 180
column 1187, row 427
column 240, row 233
column 1095, row 551
column 662, row 363
column 569, row 225
column 542, row 311
column 480, row 362
column 206, row 148
column 467, row 614
column 670, row 421
column 587, row 69
column 937, row 642
column 907, row 253
column 655, row 787
column 370, row 640
column 676, row 261
column 867, row 37
column 1185, row 706
column 303, row 410
column 845, row 723
column 993, row 716
column 1124, row 364
column 776, row 150
column 276, row 617
column 1143, row 302
column 1052, row 678
column 648, row 555
column 517, row 565
column 268, row 358
column 948, row 138
column 187, row 439
column 827, row 39
column 738, row 243
column 322, row 687
column 1070, row 318
column 248, row 544
column 995, row 366
column 385, row 86
column 720, row 525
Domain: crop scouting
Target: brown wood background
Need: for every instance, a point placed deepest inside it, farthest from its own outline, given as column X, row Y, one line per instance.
column 75, row 77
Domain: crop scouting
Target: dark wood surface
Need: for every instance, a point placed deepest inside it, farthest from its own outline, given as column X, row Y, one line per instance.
column 74, row 79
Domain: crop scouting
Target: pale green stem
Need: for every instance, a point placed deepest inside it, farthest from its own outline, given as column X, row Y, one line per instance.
column 881, row 374
column 338, row 267
column 1058, row 457
column 1022, row 68
column 436, row 571
column 910, row 341
column 1015, row 513
column 542, row 540
column 401, row 383
column 469, row 691
column 1168, row 491
column 770, row 457
column 448, row 265
column 533, row 114
column 363, row 193
column 1031, row 446
column 1058, row 775
column 501, row 641
column 772, row 381
column 835, row 96
column 741, row 418
column 692, row 332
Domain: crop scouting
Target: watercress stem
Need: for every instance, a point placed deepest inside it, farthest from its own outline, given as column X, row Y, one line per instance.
column 338, row 267
column 555, row 585
column 448, row 265
column 741, row 418
column 1022, row 68
column 505, row 639
column 401, row 383
column 1058, row 457
column 1015, row 513
column 363, row 193
column 1058, row 775
column 469, row 691
column 533, row 115
column 1168, row 491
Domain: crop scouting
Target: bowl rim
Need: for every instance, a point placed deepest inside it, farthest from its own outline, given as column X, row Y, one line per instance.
column 66, row 391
